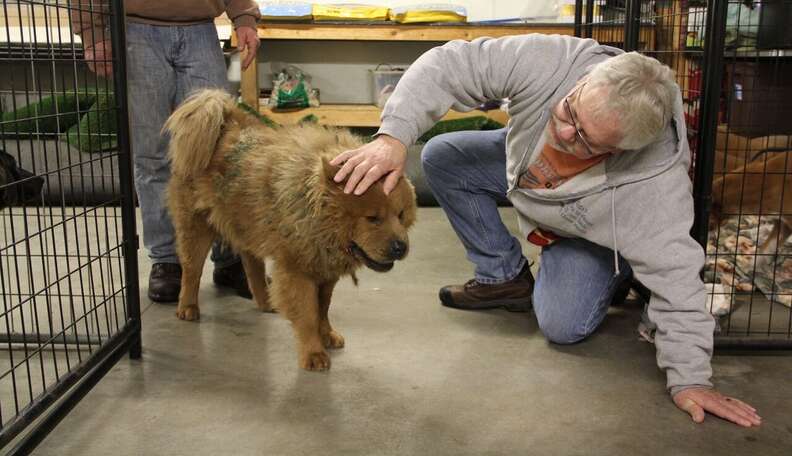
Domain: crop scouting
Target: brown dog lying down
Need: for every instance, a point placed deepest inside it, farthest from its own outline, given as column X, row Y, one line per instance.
column 763, row 186
column 270, row 193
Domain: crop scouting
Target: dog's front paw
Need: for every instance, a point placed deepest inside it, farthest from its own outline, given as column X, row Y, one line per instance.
column 315, row 361
column 189, row 313
column 333, row 339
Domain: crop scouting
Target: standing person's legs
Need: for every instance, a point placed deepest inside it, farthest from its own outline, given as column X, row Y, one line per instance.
column 574, row 288
column 151, row 87
column 199, row 64
column 467, row 174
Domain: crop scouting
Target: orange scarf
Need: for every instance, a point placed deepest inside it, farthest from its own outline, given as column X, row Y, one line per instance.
column 554, row 167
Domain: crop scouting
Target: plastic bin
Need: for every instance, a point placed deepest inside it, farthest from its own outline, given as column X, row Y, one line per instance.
column 384, row 79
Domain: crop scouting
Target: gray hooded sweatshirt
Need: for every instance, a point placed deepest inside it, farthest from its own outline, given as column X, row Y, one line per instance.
column 638, row 203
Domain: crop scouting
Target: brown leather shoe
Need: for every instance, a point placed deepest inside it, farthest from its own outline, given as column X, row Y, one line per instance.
column 514, row 295
column 164, row 282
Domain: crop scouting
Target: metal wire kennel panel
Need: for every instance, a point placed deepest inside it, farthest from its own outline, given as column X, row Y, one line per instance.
column 69, row 305
column 733, row 64
column 670, row 31
column 749, row 233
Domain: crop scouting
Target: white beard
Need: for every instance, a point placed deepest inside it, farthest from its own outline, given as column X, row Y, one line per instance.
column 576, row 150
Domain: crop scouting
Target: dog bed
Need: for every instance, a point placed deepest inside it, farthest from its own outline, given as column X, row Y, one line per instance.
column 50, row 115
column 738, row 268
column 52, row 135
column 84, row 119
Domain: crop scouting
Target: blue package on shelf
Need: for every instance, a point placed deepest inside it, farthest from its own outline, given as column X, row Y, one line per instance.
column 284, row 10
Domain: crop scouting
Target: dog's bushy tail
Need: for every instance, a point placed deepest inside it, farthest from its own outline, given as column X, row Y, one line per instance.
column 195, row 127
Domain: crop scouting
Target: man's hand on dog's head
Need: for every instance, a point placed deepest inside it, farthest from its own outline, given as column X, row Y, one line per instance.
column 365, row 165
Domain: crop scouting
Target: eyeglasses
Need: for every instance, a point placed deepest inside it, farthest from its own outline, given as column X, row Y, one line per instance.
column 579, row 134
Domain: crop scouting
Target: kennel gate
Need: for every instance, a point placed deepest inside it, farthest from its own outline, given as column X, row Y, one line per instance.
column 68, row 252
column 733, row 64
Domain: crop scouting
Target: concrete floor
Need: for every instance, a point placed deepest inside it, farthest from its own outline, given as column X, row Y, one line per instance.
column 414, row 379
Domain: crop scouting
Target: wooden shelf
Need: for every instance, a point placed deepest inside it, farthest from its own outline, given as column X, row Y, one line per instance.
column 373, row 32
column 395, row 32
column 430, row 32
column 361, row 115
column 36, row 23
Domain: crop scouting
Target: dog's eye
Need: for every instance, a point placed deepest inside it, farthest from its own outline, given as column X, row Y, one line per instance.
column 374, row 219
column 401, row 216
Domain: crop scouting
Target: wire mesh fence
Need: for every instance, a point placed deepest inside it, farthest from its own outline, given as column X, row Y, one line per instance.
column 68, row 273
column 749, row 261
column 733, row 64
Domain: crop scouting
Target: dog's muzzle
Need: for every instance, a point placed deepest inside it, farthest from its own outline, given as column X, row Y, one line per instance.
column 368, row 261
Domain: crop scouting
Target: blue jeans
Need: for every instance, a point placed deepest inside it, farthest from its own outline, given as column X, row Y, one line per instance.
column 467, row 174
column 165, row 64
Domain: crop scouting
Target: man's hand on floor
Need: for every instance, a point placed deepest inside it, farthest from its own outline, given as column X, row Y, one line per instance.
column 696, row 401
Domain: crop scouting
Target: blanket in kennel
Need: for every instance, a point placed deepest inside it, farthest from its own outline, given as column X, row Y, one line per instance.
column 734, row 261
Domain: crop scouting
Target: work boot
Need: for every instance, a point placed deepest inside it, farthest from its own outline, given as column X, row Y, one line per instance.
column 233, row 277
column 164, row 282
column 514, row 295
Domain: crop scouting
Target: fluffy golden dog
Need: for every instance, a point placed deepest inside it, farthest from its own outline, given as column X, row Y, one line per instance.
column 269, row 192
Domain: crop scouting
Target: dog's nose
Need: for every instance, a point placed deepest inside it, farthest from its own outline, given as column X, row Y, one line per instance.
column 398, row 249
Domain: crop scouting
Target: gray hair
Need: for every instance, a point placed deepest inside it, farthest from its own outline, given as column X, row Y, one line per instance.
column 641, row 93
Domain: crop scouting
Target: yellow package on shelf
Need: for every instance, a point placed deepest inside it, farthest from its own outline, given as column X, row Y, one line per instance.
column 349, row 12
column 428, row 13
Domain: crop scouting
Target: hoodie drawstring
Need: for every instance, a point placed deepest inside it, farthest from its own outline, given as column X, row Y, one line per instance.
column 613, row 227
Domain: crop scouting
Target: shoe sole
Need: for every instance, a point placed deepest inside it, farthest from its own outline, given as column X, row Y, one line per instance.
column 511, row 305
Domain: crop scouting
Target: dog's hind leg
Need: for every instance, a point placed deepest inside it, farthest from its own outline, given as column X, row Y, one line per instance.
column 296, row 297
column 193, row 239
column 256, row 273
column 330, row 337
